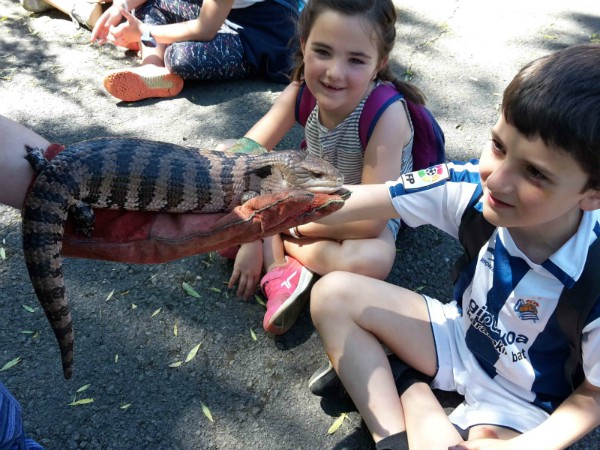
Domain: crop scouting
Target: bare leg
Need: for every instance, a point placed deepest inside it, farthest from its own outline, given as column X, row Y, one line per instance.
column 16, row 171
column 491, row 432
column 423, row 413
column 273, row 252
column 354, row 315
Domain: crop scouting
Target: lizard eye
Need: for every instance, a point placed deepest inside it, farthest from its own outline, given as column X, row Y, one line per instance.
column 264, row 172
column 316, row 175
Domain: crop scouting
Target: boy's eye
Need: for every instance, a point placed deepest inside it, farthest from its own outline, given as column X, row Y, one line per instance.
column 534, row 173
column 497, row 146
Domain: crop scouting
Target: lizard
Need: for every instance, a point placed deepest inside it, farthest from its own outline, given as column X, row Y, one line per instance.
column 142, row 175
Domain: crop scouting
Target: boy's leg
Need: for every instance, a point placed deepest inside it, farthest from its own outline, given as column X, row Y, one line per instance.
column 426, row 421
column 354, row 316
column 16, row 171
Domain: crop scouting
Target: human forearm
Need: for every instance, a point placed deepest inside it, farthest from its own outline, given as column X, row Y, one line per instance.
column 204, row 28
column 577, row 416
column 367, row 202
column 17, row 173
column 128, row 5
column 364, row 229
column 273, row 126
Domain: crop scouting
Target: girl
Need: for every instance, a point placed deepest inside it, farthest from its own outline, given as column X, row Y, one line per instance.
column 197, row 40
column 343, row 56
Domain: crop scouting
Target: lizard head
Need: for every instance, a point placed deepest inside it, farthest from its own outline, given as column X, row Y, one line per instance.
column 293, row 169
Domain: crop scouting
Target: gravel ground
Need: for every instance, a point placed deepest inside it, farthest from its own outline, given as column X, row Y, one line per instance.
column 254, row 386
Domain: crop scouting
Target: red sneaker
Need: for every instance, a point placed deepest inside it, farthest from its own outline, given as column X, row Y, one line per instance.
column 138, row 83
column 287, row 291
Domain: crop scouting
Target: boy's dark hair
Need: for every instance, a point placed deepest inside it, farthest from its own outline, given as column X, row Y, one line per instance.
column 381, row 14
column 557, row 97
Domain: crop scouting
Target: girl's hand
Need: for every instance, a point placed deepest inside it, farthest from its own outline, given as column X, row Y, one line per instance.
column 127, row 32
column 247, row 269
column 109, row 18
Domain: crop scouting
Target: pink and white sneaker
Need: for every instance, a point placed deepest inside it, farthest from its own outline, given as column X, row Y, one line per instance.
column 287, row 291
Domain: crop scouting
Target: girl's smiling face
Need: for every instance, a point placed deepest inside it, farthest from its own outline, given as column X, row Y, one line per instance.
column 530, row 187
column 341, row 60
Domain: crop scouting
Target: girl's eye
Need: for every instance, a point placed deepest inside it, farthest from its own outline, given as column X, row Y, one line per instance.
column 321, row 52
column 356, row 61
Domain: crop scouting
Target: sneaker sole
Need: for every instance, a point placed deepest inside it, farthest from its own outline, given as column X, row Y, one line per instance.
column 131, row 87
column 288, row 312
column 324, row 381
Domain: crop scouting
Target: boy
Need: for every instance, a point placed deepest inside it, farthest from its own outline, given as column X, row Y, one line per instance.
column 538, row 183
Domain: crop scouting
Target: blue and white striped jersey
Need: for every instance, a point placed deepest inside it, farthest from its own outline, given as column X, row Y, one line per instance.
column 508, row 302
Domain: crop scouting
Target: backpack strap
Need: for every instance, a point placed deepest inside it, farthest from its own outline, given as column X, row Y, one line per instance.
column 473, row 232
column 428, row 142
column 378, row 101
column 574, row 304
column 574, row 307
column 294, row 6
column 305, row 103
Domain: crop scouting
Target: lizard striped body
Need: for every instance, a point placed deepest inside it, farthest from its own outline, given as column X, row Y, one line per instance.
column 134, row 174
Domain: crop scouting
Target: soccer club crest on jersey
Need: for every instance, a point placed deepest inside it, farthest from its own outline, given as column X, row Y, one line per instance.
column 425, row 177
column 527, row 310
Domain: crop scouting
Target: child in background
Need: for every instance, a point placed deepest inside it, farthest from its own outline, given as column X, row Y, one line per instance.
column 12, row 434
column 197, row 40
column 538, row 182
column 345, row 46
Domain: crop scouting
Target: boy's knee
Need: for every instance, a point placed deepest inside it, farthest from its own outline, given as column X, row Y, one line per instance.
column 327, row 294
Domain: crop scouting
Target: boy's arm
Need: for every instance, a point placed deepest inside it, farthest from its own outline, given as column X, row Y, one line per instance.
column 574, row 418
column 367, row 202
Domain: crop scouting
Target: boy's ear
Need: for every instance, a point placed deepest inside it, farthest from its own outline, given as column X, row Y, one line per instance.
column 591, row 201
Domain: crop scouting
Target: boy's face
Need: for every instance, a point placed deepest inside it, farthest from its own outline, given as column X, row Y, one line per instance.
column 532, row 187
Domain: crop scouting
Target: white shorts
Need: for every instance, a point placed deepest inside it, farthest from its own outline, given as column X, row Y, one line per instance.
column 486, row 402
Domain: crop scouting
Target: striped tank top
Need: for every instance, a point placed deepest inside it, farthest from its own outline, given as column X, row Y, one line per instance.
column 341, row 146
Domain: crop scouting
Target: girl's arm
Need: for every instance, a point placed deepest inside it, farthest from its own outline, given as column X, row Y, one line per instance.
column 274, row 125
column 573, row 419
column 382, row 162
column 212, row 16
